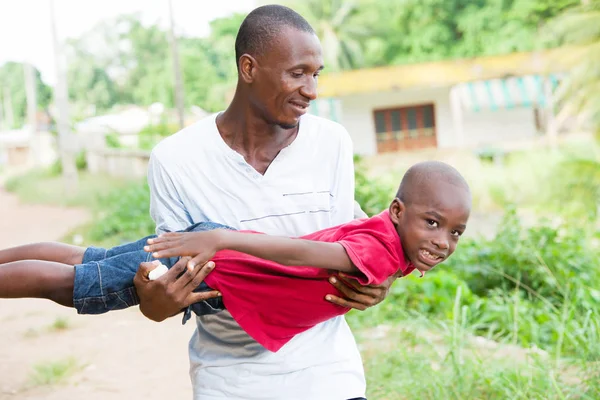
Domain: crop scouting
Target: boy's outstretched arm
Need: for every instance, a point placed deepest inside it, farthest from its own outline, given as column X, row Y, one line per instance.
column 287, row 251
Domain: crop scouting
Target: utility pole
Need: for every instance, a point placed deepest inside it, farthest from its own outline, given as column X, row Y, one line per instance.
column 61, row 101
column 1, row 115
column 179, row 94
column 31, row 94
column 9, row 116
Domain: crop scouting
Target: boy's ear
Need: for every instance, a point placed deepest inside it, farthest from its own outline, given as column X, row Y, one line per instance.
column 397, row 209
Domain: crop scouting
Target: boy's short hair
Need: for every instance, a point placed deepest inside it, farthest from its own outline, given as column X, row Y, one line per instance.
column 418, row 177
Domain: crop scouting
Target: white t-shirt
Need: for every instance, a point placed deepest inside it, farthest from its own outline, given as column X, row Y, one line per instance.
column 195, row 176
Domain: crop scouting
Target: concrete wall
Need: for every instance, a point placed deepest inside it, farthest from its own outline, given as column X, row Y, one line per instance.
column 118, row 162
column 19, row 148
column 487, row 128
column 480, row 129
column 357, row 114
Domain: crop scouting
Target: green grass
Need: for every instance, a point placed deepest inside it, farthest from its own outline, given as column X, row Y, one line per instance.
column 421, row 359
column 45, row 187
column 60, row 324
column 53, row 372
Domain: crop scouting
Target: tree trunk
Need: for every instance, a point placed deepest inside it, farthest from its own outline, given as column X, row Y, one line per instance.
column 1, row 117
column 179, row 94
column 61, row 101
column 31, row 93
column 9, row 116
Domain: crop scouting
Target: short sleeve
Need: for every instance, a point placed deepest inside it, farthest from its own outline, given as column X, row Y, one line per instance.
column 166, row 208
column 373, row 255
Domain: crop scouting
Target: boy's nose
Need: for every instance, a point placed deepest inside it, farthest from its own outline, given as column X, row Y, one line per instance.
column 441, row 243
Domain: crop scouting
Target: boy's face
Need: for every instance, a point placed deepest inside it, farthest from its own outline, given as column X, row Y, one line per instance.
column 431, row 225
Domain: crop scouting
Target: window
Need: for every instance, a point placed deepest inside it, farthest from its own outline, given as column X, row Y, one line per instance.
column 405, row 128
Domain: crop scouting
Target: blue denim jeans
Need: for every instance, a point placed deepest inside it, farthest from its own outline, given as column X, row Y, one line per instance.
column 104, row 280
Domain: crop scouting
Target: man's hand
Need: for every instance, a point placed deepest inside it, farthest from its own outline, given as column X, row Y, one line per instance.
column 356, row 295
column 172, row 292
column 202, row 246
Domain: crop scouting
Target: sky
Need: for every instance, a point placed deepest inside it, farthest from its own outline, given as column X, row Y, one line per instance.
column 25, row 34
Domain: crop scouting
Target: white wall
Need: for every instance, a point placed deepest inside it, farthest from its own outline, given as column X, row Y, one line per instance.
column 357, row 115
column 484, row 128
column 480, row 129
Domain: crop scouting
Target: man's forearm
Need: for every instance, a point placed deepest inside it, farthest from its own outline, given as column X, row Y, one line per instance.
column 288, row 251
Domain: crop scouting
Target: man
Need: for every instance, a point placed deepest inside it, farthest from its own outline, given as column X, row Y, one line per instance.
column 261, row 165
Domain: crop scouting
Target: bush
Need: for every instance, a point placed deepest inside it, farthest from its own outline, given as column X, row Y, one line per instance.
column 124, row 215
column 112, row 141
column 372, row 195
column 152, row 134
column 547, row 262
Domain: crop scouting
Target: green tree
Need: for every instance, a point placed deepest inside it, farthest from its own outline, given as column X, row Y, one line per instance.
column 343, row 26
column 12, row 77
column 579, row 93
column 579, row 100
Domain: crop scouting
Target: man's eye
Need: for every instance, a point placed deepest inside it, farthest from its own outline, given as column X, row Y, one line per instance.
column 432, row 223
column 297, row 74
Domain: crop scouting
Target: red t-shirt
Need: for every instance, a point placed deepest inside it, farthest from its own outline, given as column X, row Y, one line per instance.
column 273, row 302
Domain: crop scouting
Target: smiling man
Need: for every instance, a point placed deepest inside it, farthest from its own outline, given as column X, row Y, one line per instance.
column 263, row 164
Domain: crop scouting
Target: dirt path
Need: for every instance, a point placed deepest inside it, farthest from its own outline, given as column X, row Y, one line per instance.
column 117, row 356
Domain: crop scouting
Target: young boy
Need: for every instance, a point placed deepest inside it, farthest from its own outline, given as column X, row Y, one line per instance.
column 274, row 287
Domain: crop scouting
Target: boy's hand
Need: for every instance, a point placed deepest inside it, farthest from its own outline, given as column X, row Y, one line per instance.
column 356, row 295
column 202, row 246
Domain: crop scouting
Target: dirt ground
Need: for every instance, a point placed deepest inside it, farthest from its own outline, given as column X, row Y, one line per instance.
column 116, row 356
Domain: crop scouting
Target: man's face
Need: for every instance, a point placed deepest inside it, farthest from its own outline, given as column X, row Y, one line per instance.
column 430, row 227
column 286, row 77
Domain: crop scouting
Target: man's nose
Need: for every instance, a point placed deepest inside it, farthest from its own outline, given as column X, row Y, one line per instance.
column 309, row 90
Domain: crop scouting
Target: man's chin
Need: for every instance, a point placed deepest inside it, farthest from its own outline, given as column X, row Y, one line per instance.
column 287, row 125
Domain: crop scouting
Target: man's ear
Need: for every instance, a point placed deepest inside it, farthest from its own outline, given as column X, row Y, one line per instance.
column 397, row 209
column 247, row 66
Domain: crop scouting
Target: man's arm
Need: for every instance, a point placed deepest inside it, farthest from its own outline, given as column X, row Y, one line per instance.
column 286, row 251
column 172, row 292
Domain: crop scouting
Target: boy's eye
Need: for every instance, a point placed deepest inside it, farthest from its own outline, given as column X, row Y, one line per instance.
column 456, row 233
column 432, row 223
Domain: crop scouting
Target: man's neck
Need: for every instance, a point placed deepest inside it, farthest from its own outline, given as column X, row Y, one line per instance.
column 254, row 138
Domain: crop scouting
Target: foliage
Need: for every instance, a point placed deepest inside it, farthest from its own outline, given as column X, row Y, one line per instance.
column 343, row 27
column 12, row 91
column 152, row 134
column 122, row 60
column 576, row 187
column 371, row 194
column 112, row 140
column 123, row 215
column 51, row 373
column 579, row 93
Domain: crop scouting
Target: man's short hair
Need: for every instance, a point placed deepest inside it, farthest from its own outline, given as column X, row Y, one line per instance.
column 262, row 26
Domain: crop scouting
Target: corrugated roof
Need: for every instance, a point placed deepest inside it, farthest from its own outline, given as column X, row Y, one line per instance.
column 445, row 73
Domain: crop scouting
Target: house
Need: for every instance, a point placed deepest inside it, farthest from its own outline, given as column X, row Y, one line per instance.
column 469, row 103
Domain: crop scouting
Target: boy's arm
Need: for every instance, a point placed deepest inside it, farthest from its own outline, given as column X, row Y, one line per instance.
column 282, row 250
